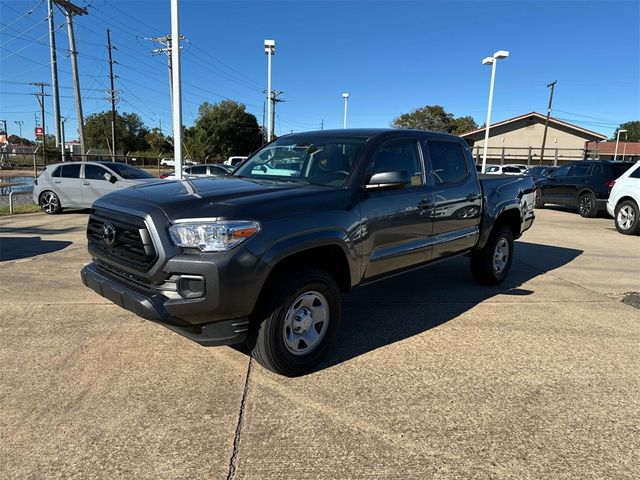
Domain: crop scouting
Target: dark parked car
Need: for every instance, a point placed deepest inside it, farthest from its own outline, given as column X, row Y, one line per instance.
column 584, row 184
column 541, row 171
column 263, row 255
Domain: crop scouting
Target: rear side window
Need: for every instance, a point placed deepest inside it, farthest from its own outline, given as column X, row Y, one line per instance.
column 71, row 171
column 399, row 155
column 580, row 170
column 635, row 173
column 448, row 162
column 619, row 169
column 94, row 172
column 201, row 170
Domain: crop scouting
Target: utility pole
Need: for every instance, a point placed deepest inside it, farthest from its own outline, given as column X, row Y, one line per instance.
column 263, row 117
column 70, row 10
column 165, row 41
column 177, row 89
column 322, row 124
column 19, row 123
column 274, row 100
column 112, row 94
column 54, row 71
column 63, row 150
column 552, row 85
column 40, row 96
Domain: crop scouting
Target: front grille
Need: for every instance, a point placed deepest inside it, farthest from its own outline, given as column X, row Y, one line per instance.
column 131, row 246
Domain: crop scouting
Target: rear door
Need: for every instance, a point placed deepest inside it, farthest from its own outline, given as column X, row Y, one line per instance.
column 69, row 185
column 457, row 197
column 94, row 184
column 397, row 222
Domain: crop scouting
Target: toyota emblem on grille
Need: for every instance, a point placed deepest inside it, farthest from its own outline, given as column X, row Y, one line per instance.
column 109, row 234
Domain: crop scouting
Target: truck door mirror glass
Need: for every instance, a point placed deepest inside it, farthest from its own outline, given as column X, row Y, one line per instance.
column 391, row 179
column 111, row 178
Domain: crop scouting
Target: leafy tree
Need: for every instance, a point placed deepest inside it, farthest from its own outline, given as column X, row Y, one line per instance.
column 130, row 131
column 222, row 130
column 460, row 125
column 632, row 134
column 435, row 118
column 17, row 140
column 157, row 141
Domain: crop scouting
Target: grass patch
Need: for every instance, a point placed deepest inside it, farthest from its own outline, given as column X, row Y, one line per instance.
column 29, row 208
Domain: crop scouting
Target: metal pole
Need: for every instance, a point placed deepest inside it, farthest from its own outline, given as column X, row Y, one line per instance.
column 624, row 149
column 76, row 83
column 488, row 124
column 273, row 114
column 615, row 155
column 546, row 123
column 54, row 72
column 19, row 123
column 177, row 94
column 62, row 147
column 113, row 100
column 269, row 120
column 346, row 101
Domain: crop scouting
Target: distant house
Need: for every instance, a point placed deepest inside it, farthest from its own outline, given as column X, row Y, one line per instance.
column 519, row 139
column 629, row 151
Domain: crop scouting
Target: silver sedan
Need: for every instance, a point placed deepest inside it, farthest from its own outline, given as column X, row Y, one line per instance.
column 79, row 184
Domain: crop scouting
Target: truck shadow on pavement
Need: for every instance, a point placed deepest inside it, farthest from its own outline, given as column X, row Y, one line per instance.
column 15, row 248
column 401, row 307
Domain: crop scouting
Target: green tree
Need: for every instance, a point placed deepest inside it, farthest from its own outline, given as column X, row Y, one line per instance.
column 17, row 140
column 632, row 134
column 130, row 131
column 157, row 141
column 436, row 119
column 222, row 130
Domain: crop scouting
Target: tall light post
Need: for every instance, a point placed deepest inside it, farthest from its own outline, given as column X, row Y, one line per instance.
column 499, row 55
column 177, row 90
column 19, row 123
column 346, row 101
column 615, row 155
column 269, row 50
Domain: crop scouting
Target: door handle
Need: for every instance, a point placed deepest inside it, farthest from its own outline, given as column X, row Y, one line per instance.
column 473, row 196
column 86, row 183
column 425, row 204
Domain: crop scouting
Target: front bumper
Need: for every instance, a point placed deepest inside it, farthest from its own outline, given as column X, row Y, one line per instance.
column 182, row 316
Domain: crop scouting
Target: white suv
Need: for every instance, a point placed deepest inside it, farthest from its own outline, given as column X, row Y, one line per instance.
column 624, row 201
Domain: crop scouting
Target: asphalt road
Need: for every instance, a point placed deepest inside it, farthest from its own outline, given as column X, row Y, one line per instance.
column 432, row 375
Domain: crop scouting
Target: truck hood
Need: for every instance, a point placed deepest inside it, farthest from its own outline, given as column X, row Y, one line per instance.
column 224, row 197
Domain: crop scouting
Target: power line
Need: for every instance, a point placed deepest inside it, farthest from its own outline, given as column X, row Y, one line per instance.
column 29, row 12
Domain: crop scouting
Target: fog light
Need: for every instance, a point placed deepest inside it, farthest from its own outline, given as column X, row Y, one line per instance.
column 190, row 287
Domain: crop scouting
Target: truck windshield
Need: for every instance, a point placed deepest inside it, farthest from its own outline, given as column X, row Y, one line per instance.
column 316, row 160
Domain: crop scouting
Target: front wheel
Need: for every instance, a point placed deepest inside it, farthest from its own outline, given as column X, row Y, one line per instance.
column 587, row 205
column 491, row 264
column 538, row 202
column 298, row 322
column 50, row 203
column 627, row 218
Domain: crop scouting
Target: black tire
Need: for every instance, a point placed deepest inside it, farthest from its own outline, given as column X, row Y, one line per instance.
column 627, row 218
column 274, row 319
column 587, row 206
column 483, row 267
column 49, row 203
column 538, row 199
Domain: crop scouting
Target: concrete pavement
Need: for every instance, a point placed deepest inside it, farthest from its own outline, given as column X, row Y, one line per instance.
column 431, row 376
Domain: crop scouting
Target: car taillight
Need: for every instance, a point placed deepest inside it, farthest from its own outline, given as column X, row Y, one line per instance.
column 164, row 175
column 610, row 183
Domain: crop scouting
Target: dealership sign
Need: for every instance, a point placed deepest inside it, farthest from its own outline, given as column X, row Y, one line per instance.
column 38, row 131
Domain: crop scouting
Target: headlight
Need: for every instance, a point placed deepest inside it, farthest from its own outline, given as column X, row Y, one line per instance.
column 212, row 236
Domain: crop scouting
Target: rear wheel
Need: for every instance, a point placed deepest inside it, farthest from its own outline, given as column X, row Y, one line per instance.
column 587, row 205
column 627, row 218
column 50, row 203
column 491, row 264
column 298, row 322
column 538, row 203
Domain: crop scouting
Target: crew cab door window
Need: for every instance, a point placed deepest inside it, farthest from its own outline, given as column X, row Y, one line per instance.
column 400, row 155
column 448, row 163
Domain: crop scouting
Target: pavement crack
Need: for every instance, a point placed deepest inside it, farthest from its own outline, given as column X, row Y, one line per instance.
column 233, row 461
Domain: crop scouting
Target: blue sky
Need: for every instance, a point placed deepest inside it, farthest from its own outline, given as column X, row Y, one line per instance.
column 391, row 57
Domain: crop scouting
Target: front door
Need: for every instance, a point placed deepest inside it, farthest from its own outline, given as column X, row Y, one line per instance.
column 397, row 222
column 457, row 196
column 554, row 189
column 95, row 184
column 575, row 182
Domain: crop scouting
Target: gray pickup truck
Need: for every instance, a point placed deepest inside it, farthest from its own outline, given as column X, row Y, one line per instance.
column 262, row 256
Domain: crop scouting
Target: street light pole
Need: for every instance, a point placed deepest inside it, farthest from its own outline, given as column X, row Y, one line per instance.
column 490, row 61
column 177, row 90
column 19, row 123
column 269, row 49
column 346, row 101
column 615, row 155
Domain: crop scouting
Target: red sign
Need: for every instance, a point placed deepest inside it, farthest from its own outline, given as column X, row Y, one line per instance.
column 38, row 131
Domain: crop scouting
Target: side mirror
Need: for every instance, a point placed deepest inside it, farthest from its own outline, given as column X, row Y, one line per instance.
column 392, row 179
column 110, row 178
